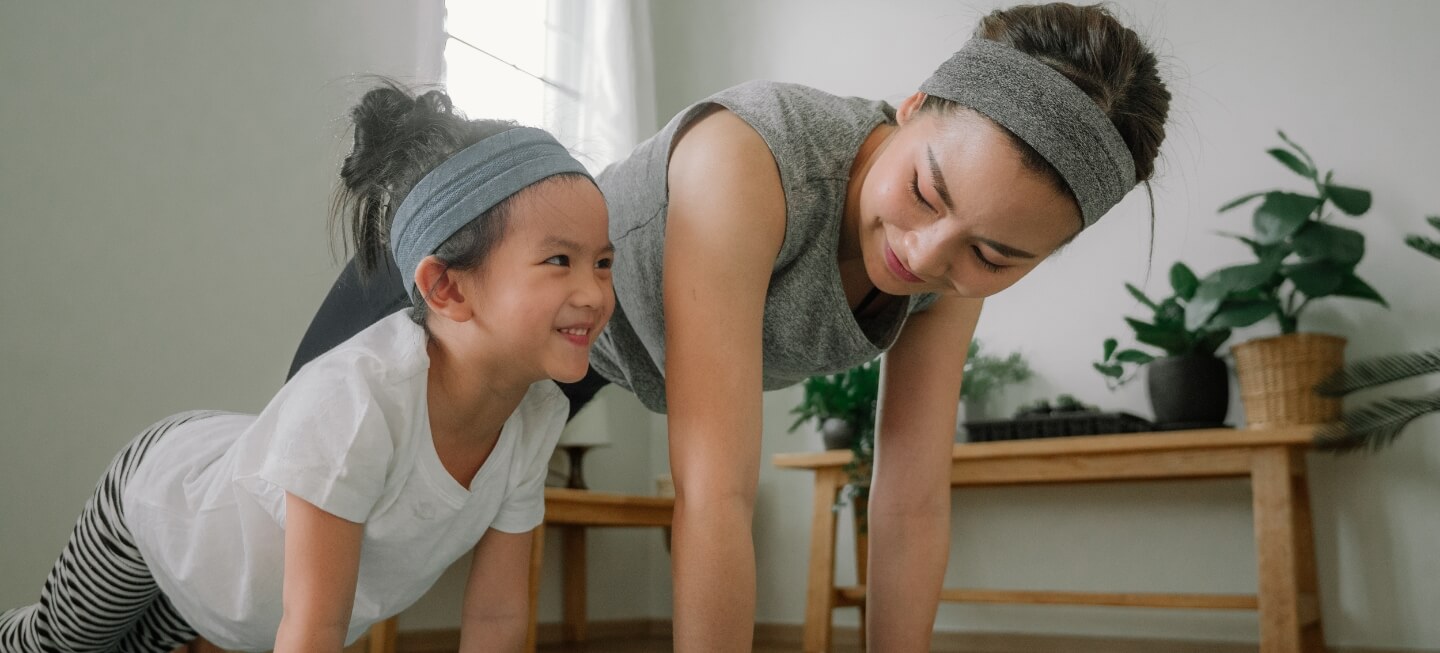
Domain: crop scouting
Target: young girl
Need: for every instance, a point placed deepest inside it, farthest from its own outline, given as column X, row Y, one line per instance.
column 380, row 463
column 772, row 232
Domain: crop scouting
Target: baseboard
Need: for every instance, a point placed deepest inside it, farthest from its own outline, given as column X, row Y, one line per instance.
column 847, row 638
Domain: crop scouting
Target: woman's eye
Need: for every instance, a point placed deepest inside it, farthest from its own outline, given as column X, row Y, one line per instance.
column 559, row 259
column 915, row 190
column 984, row 262
column 604, row 263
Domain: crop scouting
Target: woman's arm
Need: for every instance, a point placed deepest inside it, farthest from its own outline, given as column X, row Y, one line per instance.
column 724, row 229
column 496, row 615
column 322, row 563
column 909, row 515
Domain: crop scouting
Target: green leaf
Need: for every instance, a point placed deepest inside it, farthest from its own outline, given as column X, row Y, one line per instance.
column 1293, row 162
column 1140, row 296
column 1170, row 315
column 1134, row 356
column 1241, row 314
column 1282, row 214
column 1238, row 201
column 1172, row 340
column 1424, row 245
column 1315, row 278
column 1184, row 281
column 1353, row 286
column 1113, row 371
column 1110, row 345
column 1321, row 241
column 1434, row 221
column 1209, row 341
column 1252, row 280
column 1299, row 149
column 1350, row 200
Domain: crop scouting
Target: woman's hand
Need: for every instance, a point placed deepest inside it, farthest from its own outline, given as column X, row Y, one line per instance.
column 322, row 563
column 909, row 518
column 496, row 616
column 724, row 229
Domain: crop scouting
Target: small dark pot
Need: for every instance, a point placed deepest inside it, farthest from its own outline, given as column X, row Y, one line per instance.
column 1189, row 391
column 838, row 433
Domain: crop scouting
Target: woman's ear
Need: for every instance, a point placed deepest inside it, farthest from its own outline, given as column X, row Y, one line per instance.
column 442, row 290
column 909, row 107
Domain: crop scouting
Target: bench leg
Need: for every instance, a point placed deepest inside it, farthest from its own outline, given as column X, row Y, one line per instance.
column 574, row 540
column 862, row 558
column 1285, row 551
column 820, row 592
column 537, row 558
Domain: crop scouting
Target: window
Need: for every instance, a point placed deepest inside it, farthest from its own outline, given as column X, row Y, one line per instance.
column 514, row 61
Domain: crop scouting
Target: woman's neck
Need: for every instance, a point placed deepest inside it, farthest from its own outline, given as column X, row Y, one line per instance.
column 849, row 254
column 870, row 148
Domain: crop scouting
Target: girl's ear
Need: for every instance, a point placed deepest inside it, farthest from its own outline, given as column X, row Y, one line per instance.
column 442, row 290
column 909, row 107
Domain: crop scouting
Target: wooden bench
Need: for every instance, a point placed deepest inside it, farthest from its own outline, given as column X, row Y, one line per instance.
column 1272, row 459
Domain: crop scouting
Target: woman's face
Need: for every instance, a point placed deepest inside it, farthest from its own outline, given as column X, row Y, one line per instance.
column 948, row 206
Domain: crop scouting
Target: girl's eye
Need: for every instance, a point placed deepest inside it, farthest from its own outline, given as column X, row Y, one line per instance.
column 604, row 263
column 984, row 262
column 915, row 190
column 559, row 259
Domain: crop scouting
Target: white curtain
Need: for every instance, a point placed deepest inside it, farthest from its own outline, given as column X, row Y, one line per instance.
column 602, row 61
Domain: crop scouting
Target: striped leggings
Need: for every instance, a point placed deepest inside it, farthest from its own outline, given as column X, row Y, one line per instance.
column 99, row 596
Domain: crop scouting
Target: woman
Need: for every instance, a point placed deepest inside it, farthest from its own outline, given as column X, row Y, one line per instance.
column 774, row 232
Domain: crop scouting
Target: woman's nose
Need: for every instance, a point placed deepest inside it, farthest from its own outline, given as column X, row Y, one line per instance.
column 929, row 250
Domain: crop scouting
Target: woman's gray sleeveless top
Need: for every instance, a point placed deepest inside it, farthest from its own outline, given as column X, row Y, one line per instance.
column 808, row 327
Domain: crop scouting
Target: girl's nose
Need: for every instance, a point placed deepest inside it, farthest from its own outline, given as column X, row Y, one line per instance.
column 593, row 291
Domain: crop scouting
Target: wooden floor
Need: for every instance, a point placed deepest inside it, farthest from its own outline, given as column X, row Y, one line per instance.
column 663, row 645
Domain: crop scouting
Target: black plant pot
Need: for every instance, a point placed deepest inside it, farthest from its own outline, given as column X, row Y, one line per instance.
column 1189, row 391
column 838, row 433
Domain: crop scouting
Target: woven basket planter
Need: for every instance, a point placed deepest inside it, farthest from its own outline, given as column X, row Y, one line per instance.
column 1278, row 377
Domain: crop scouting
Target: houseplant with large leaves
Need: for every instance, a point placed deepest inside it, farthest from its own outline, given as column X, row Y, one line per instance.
column 1303, row 253
column 1189, row 386
column 1377, row 424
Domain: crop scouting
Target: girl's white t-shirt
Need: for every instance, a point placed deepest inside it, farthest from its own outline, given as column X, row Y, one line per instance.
column 350, row 433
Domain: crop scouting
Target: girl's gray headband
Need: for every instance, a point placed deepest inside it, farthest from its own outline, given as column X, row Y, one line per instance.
column 1047, row 111
column 468, row 184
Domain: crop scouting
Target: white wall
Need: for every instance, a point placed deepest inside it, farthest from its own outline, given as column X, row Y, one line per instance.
column 165, row 172
column 1353, row 82
column 165, row 168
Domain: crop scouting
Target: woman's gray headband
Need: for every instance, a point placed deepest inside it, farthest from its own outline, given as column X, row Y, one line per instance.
column 469, row 184
column 1047, row 111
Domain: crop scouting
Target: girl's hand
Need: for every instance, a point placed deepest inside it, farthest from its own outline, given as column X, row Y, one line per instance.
column 322, row 563
column 496, row 616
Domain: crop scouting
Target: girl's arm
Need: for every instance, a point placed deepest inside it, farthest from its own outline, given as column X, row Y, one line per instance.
column 496, row 616
column 322, row 562
column 725, row 225
column 910, row 493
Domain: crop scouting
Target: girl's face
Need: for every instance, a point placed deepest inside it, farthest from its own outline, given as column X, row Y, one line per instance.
column 543, row 294
column 948, row 206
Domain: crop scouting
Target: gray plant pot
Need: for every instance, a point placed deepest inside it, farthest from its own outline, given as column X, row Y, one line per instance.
column 838, row 433
column 1189, row 391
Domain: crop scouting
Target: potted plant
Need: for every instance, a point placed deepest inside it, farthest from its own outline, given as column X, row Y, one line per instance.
column 1377, row 425
column 985, row 375
column 1189, row 385
column 843, row 406
column 1302, row 255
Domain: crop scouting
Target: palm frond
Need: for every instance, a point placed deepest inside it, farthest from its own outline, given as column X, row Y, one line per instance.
column 1376, row 426
column 1379, row 371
